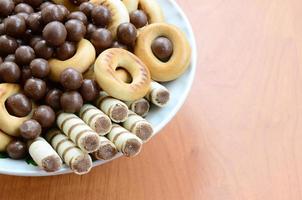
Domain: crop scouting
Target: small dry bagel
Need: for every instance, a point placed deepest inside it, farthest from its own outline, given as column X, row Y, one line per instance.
column 67, row 4
column 81, row 61
column 105, row 73
column 8, row 123
column 180, row 59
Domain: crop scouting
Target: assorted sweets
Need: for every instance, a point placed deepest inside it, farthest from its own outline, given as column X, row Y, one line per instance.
column 78, row 78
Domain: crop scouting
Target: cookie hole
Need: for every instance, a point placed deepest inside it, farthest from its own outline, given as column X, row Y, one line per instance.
column 162, row 48
column 124, row 75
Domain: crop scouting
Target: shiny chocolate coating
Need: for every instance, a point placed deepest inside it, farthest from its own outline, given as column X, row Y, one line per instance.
column 100, row 16
column 55, row 33
column 86, row 8
column 25, row 75
column 24, row 55
column 101, row 38
column 116, row 44
column 52, row 13
column 17, row 150
column 8, row 45
column 7, row 7
column 23, row 15
column 10, row 72
column 71, row 79
column 89, row 90
column 35, row 88
column 53, row 98
column 10, row 58
column 71, row 102
column 34, row 22
column 90, row 29
column 45, row 4
column 126, row 33
column 18, row 105
column 66, row 51
column 138, row 18
column 33, row 41
column 45, row 116
column 34, row 3
column 23, row 8
column 79, row 16
column 14, row 26
column 64, row 11
column 30, row 129
column 162, row 48
column 76, row 30
column 42, row 50
column 39, row 68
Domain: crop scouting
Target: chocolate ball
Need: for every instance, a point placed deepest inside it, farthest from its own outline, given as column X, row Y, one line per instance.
column 101, row 38
column 53, row 98
column 42, row 50
column 45, row 4
column 24, row 55
column 116, row 44
column 138, row 18
column 34, row 3
column 23, row 15
column 71, row 102
column 64, row 11
column 14, row 26
column 126, row 33
column 162, row 48
column 16, row 150
column 10, row 58
column 33, row 41
column 79, row 16
column 90, row 29
column 26, row 37
column 23, row 8
column 10, row 72
column 77, row 2
column 100, row 15
column 25, row 74
column 7, row 7
column 45, row 116
column 86, row 8
column 66, row 51
column 18, row 105
column 35, row 88
column 18, row 1
column 8, row 45
column 52, row 13
column 55, row 33
column 2, row 30
column 39, row 68
column 71, row 79
column 34, row 22
column 76, row 30
column 89, row 90
column 30, row 129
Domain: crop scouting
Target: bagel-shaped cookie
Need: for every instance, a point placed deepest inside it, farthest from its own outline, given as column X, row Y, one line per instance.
column 131, row 5
column 81, row 61
column 118, row 11
column 8, row 123
column 67, row 4
column 180, row 59
column 105, row 72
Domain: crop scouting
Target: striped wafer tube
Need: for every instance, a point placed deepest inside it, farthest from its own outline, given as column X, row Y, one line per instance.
column 158, row 94
column 4, row 141
column 44, row 155
column 96, row 119
column 106, row 151
column 79, row 132
column 75, row 158
column 127, row 143
column 115, row 109
column 140, row 106
column 138, row 126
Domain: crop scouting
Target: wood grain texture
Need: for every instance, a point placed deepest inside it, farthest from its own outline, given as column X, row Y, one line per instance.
column 238, row 136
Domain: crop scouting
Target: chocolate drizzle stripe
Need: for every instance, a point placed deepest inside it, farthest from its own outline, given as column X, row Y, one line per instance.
column 66, row 151
column 53, row 134
column 65, row 120
column 80, row 134
column 85, row 111
column 73, row 127
column 93, row 116
column 60, row 143
column 117, row 135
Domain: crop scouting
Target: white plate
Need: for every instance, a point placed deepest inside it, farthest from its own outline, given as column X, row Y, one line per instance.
column 158, row 117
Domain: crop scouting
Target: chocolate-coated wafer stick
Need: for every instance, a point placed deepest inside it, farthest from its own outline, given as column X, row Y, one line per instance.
column 127, row 143
column 115, row 109
column 79, row 132
column 106, row 151
column 44, row 155
column 140, row 106
column 158, row 94
column 96, row 119
column 74, row 157
column 4, row 141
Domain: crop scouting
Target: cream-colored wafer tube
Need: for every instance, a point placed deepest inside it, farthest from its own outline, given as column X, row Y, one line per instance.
column 44, row 155
column 114, row 108
column 106, row 151
column 158, row 94
column 127, row 143
column 79, row 162
column 138, row 126
column 96, row 119
column 79, row 132
column 140, row 106
column 4, row 141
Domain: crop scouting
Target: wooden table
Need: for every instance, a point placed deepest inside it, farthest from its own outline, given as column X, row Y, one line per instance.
column 238, row 136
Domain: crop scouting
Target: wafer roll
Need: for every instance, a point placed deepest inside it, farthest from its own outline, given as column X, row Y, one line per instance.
column 127, row 143
column 96, row 119
column 158, row 94
column 115, row 109
column 44, row 155
column 74, row 157
column 106, row 151
column 79, row 132
column 138, row 126
column 140, row 106
column 4, row 141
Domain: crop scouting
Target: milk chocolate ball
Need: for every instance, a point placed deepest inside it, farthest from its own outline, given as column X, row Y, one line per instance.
column 35, row 88
column 25, row 74
column 43, row 50
column 76, row 30
column 18, row 105
column 52, row 13
column 23, row 8
column 101, row 38
column 126, row 33
column 71, row 102
column 45, row 116
column 45, row 4
column 24, row 55
column 66, row 51
column 34, row 3
column 16, row 150
column 7, row 7
column 100, row 15
column 33, row 41
column 162, row 48
column 8, row 45
column 71, row 79
column 53, row 98
column 14, row 26
column 138, row 18
column 89, row 90
column 86, row 8
column 34, row 22
column 39, row 68
column 10, row 72
column 30, row 129
column 55, row 33
column 79, row 16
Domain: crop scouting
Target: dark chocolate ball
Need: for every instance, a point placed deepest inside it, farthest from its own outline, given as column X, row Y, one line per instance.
column 7, row 7
column 101, row 15
column 33, row 41
column 89, row 90
column 35, row 88
column 71, row 79
column 162, row 48
column 10, row 58
column 34, row 22
column 71, row 102
column 39, row 68
column 79, row 16
column 34, row 3
column 126, row 33
column 45, row 4
column 116, row 44
column 101, row 38
column 86, row 8
column 18, row 105
column 43, row 50
column 52, row 13
column 55, row 33
column 45, row 116
column 76, row 30
column 25, row 74
column 77, row 2
column 23, row 8
column 10, row 72
column 30, row 129
column 53, row 98
column 14, row 26
column 24, row 55
column 66, row 51
column 16, row 150
column 138, row 18
column 8, row 45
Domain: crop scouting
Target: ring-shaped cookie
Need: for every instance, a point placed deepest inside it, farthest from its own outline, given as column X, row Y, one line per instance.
column 9, row 123
column 81, row 61
column 71, row 7
column 105, row 67
column 118, row 11
column 180, row 59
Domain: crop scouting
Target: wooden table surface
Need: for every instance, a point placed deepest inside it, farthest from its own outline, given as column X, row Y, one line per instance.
column 239, row 134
